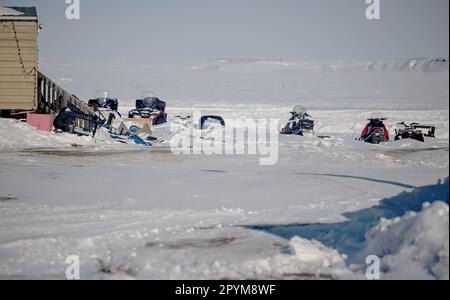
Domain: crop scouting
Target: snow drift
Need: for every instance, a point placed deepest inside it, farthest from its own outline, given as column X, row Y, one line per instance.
column 255, row 65
column 409, row 232
column 415, row 246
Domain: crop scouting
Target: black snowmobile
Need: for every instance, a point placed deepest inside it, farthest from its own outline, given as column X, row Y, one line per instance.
column 148, row 107
column 415, row 131
column 103, row 102
column 300, row 123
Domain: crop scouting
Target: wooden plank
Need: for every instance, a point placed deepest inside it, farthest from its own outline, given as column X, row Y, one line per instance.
column 13, row 50
column 17, row 78
column 18, row 97
column 23, row 36
column 15, row 64
column 27, row 33
column 15, row 99
column 13, row 43
column 20, row 26
column 18, row 92
column 22, row 43
column 17, row 85
column 15, row 57
column 25, row 105
column 25, row 27
column 14, row 71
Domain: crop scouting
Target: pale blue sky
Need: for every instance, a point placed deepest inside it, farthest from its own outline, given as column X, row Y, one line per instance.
column 187, row 30
column 127, row 47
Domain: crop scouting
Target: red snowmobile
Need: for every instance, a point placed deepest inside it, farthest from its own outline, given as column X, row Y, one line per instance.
column 375, row 131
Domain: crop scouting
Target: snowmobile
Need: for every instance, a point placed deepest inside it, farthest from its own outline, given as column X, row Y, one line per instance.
column 149, row 107
column 375, row 131
column 414, row 131
column 300, row 123
column 102, row 102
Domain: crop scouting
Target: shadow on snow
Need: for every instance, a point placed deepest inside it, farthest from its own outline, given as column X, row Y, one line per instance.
column 402, row 185
column 348, row 237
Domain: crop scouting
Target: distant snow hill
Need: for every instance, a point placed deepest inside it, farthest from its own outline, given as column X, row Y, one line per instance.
column 254, row 65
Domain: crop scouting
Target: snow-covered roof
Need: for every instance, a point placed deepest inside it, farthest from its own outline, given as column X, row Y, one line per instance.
column 19, row 13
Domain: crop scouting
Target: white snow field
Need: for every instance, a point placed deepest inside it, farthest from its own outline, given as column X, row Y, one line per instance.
column 130, row 212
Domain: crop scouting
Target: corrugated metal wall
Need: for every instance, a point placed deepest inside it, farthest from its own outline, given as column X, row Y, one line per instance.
column 18, row 64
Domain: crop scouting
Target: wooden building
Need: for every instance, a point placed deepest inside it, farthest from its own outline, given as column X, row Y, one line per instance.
column 18, row 58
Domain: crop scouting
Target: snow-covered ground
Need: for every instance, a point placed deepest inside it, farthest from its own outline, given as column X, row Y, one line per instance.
column 132, row 212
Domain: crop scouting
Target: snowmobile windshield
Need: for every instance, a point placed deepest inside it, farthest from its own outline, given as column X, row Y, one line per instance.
column 376, row 123
column 300, row 110
column 102, row 97
column 148, row 94
column 101, row 94
column 149, row 102
column 102, row 101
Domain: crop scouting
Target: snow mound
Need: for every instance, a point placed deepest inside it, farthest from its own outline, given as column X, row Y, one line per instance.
column 5, row 11
column 307, row 259
column 415, row 246
column 17, row 135
column 312, row 251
